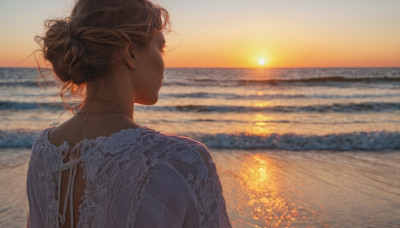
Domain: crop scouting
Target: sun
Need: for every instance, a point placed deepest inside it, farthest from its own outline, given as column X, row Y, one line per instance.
column 261, row 62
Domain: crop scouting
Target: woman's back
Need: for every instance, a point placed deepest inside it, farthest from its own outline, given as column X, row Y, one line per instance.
column 135, row 177
column 74, row 131
column 100, row 169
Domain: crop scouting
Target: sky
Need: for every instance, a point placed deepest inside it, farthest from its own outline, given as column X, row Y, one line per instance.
column 238, row 33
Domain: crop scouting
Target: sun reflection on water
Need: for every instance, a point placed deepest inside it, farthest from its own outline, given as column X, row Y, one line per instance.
column 261, row 125
column 264, row 201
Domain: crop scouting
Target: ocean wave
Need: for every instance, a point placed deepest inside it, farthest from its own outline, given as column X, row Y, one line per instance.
column 323, row 80
column 328, row 108
column 10, row 105
column 17, row 138
column 359, row 141
column 232, row 81
column 28, row 84
column 232, row 96
column 276, row 96
column 337, row 107
column 306, row 81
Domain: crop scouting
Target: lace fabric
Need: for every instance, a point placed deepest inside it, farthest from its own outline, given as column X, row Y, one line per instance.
column 119, row 171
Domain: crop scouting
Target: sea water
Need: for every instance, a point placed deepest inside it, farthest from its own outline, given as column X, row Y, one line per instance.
column 305, row 147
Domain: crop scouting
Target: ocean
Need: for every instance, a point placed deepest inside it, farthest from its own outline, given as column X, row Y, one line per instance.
column 294, row 147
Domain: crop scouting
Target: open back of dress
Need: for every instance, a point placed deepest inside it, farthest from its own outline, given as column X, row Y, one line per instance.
column 70, row 188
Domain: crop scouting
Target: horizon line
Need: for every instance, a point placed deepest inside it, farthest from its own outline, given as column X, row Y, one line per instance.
column 261, row 68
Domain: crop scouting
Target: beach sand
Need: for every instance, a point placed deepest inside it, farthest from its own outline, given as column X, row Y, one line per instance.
column 13, row 199
column 270, row 189
column 310, row 189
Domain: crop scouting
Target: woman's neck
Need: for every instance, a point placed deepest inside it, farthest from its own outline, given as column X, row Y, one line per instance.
column 111, row 94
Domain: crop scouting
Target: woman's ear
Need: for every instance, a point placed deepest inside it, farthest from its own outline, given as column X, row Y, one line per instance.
column 129, row 57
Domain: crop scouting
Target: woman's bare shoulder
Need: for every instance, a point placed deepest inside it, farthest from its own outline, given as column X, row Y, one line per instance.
column 77, row 129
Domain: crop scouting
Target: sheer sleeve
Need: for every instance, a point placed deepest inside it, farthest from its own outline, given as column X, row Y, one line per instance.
column 184, row 192
column 210, row 194
column 167, row 202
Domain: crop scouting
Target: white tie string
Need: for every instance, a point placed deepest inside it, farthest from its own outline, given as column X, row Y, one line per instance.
column 72, row 166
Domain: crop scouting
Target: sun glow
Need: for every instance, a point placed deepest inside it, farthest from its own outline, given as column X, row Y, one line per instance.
column 261, row 62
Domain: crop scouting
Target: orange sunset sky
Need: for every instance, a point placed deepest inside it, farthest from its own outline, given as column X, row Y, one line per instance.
column 237, row 33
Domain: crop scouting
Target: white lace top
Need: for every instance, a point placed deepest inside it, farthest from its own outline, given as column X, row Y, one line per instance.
column 134, row 178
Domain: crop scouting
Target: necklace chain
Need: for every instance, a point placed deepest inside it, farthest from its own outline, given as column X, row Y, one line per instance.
column 102, row 113
column 97, row 113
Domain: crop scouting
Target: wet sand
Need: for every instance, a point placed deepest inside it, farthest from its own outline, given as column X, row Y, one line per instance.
column 13, row 199
column 311, row 189
column 270, row 189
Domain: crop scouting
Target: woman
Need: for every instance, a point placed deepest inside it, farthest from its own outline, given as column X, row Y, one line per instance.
column 99, row 168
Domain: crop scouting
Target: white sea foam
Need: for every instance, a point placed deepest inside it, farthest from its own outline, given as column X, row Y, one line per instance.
column 17, row 138
column 364, row 141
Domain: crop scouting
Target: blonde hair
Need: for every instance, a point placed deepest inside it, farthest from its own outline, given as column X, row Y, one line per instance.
column 80, row 48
